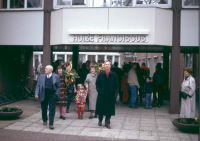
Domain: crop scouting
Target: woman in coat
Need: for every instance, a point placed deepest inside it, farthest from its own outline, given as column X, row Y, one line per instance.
column 188, row 86
column 90, row 83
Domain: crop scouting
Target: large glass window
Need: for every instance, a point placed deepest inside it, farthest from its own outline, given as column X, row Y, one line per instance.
column 109, row 58
column 34, row 3
column 116, row 59
column 16, row 3
column 81, row 59
column 100, row 59
column 190, row 3
column 3, row 4
column 71, row 2
column 91, row 58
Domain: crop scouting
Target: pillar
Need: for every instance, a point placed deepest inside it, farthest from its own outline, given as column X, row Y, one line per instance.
column 105, row 57
column 175, row 62
column 96, row 58
column 48, row 4
column 65, row 57
column 166, row 68
column 75, row 57
column 55, row 57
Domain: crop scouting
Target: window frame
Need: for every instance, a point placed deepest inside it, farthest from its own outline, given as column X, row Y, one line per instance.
column 56, row 6
column 193, row 7
column 25, row 6
column 169, row 5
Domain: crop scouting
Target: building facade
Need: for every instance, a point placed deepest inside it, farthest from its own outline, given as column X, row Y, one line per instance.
column 165, row 26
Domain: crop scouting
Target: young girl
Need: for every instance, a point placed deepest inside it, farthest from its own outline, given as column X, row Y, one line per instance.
column 80, row 101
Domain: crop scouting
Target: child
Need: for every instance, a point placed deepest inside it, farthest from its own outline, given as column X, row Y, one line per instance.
column 125, row 87
column 80, row 100
column 148, row 90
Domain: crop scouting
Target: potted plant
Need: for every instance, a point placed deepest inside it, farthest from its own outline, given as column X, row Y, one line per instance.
column 10, row 112
column 187, row 124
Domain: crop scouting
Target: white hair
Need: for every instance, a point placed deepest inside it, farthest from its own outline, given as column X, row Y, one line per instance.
column 49, row 66
column 106, row 62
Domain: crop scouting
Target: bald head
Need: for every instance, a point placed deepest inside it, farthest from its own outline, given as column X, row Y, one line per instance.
column 48, row 69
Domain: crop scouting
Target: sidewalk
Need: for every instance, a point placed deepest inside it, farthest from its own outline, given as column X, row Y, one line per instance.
column 127, row 124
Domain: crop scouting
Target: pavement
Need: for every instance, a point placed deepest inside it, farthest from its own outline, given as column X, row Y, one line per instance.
column 128, row 124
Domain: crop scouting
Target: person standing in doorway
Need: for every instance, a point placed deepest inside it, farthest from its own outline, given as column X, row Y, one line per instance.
column 106, row 85
column 47, row 91
column 133, row 84
column 119, row 73
column 158, row 78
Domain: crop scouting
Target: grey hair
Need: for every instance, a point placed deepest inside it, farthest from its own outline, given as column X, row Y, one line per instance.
column 106, row 62
column 49, row 66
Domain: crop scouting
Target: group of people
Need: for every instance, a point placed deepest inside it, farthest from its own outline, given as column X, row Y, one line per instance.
column 100, row 91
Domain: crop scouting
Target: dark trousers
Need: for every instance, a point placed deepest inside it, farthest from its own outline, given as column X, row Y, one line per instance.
column 154, row 95
column 69, row 102
column 51, row 99
column 140, row 94
column 107, row 120
column 87, row 101
column 160, row 88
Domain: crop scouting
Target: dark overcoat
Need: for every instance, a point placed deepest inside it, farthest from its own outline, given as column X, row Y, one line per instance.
column 106, row 88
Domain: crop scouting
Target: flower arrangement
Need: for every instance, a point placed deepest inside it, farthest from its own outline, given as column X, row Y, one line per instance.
column 98, row 68
column 9, row 109
column 187, row 121
column 70, row 75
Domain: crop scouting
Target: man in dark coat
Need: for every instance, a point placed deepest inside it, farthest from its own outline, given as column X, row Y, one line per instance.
column 106, row 85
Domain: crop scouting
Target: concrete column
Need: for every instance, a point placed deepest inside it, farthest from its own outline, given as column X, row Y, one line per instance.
column 39, row 58
column 96, row 58
column 166, row 68
column 105, row 57
column 55, row 57
column 113, row 59
column 48, row 4
column 86, row 57
column 175, row 63
column 65, row 57
column 34, row 60
column 75, row 57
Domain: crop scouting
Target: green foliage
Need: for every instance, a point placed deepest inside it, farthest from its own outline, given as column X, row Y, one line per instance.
column 70, row 74
column 187, row 121
column 9, row 109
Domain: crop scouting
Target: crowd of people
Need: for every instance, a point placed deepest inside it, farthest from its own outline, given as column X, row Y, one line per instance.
column 100, row 91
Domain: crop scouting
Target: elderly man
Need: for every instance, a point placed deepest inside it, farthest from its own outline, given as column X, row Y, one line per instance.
column 47, row 91
column 106, row 85
column 133, row 84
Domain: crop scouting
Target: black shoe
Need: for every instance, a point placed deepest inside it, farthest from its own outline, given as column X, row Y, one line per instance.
column 63, row 118
column 60, row 117
column 51, row 127
column 90, row 117
column 45, row 123
column 100, row 123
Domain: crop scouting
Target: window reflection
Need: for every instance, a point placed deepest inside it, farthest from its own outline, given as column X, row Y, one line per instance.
column 152, row 1
column 34, row 3
column 16, row 3
column 3, row 4
column 71, row 2
column 191, row 2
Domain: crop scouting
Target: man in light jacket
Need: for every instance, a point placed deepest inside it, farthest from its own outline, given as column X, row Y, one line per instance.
column 47, row 91
column 133, row 84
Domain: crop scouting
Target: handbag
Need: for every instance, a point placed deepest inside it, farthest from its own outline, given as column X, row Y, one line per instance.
column 184, row 95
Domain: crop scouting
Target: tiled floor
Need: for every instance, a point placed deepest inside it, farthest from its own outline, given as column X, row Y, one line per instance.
column 140, row 124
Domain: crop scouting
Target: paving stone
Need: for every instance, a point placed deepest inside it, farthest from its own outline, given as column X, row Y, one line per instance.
column 194, row 136
column 151, row 138
column 11, row 127
column 33, row 129
column 168, row 139
column 184, row 136
column 167, row 134
column 124, row 134
column 55, row 131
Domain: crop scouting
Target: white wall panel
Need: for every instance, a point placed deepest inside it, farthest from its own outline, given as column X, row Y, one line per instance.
column 21, row 28
column 189, row 28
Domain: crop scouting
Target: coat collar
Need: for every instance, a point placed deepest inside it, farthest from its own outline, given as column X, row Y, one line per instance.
column 104, row 72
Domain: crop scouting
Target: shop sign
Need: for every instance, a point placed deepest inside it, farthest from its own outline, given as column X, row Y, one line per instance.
column 116, row 38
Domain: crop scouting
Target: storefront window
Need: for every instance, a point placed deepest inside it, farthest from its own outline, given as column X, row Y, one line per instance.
column 91, row 58
column 34, row 3
column 190, row 3
column 100, row 59
column 16, row 3
column 81, row 59
column 188, row 60
column 71, row 2
column 117, row 59
column 3, row 4
column 152, row 2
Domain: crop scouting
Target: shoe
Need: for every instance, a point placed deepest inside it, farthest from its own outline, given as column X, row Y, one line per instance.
column 95, row 116
column 81, row 117
column 67, row 111
column 45, row 123
column 90, row 117
column 60, row 117
column 51, row 127
column 100, row 123
column 63, row 118
column 108, row 126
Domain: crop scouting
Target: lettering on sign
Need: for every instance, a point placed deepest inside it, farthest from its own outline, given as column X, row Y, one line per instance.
column 108, row 38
